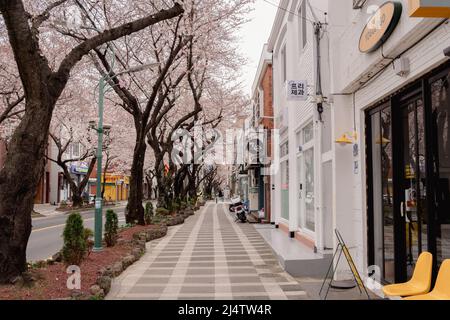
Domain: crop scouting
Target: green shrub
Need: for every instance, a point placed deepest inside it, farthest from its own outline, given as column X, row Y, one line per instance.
column 175, row 207
column 170, row 206
column 148, row 213
column 75, row 248
column 183, row 205
column 111, row 228
column 156, row 219
column 88, row 239
column 162, row 212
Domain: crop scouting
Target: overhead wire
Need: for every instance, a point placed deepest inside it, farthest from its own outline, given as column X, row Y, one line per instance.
column 297, row 15
column 289, row 11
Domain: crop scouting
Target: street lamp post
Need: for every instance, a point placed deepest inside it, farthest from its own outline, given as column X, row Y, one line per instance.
column 98, row 246
column 101, row 130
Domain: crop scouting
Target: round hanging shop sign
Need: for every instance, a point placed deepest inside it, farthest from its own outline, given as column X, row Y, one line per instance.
column 380, row 26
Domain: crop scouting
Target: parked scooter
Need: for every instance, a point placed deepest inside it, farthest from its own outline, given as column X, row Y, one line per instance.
column 240, row 209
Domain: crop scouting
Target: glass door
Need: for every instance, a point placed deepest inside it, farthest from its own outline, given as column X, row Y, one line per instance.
column 440, row 105
column 310, row 219
column 285, row 190
column 380, row 123
column 408, row 167
column 301, row 187
column 412, row 184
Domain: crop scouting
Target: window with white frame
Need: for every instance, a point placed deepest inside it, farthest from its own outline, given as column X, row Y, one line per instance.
column 306, row 174
column 283, row 64
column 308, row 133
column 284, row 149
column 302, row 26
column 75, row 150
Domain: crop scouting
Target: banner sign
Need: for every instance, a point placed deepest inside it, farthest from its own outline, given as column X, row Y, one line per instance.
column 79, row 168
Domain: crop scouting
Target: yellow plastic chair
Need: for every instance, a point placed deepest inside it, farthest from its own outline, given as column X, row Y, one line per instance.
column 441, row 290
column 419, row 284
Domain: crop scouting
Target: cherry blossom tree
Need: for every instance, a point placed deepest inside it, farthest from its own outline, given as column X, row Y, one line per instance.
column 213, row 63
column 43, row 80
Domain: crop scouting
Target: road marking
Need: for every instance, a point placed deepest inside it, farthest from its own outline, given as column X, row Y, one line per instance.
column 63, row 225
column 63, row 213
column 56, row 226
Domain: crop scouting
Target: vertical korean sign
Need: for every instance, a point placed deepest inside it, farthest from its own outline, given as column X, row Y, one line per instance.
column 297, row 90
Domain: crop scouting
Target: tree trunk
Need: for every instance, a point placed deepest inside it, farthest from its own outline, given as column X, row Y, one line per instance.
column 105, row 171
column 77, row 190
column 160, row 184
column 135, row 208
column 77, row 200
column 179, row 182
column 164, row 183
column 149, row 187
column 19, row 179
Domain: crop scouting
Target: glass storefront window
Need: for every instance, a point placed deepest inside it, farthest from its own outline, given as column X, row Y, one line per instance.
column 420, row 219
column 308, row 133
column 284, row 149
column 383, row 211
column 414, row 180
column 440, row 98
column 285, row 190
column 310, row 220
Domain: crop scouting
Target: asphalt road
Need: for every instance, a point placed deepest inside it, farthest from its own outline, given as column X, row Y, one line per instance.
column 46, row 236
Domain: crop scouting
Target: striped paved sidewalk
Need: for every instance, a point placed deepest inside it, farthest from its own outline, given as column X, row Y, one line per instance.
column 210, row 257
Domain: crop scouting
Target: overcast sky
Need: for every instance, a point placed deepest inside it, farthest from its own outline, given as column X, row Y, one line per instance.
column 254, row 34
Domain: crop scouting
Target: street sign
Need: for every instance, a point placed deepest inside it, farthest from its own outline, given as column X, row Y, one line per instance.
column 98, row 203
column 297, row 90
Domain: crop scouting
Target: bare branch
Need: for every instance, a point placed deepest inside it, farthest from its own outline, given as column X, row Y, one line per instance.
column 82, row 49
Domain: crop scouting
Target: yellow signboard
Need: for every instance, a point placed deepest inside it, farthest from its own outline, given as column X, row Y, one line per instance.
column 429, row 8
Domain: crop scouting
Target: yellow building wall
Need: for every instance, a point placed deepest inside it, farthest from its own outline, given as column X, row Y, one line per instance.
column 114, row 192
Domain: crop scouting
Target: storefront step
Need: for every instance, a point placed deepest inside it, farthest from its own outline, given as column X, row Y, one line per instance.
column 296, row 258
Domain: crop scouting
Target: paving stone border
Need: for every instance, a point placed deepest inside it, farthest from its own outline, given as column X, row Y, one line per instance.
column 106, row 275
column 140, row 239
column 175, row 220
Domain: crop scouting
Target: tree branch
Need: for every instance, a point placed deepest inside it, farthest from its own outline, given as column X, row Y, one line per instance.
column 37, row 21
column 61, row 76
column 6, row 114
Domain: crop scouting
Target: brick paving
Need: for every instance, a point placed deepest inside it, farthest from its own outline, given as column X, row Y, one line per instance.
column 209, row 257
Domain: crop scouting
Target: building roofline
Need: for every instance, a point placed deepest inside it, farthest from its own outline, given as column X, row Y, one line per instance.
column 264, row 61
column 276, row 27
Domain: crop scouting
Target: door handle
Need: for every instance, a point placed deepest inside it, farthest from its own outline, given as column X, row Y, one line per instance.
column 402, row 209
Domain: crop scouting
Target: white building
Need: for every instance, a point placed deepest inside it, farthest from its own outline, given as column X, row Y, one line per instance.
column 390, row 85
column 302, row 205
column 375, row 164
